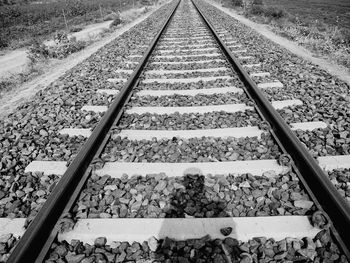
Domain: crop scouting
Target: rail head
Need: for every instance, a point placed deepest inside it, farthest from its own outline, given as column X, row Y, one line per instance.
column 38, row 232
column 311, row 173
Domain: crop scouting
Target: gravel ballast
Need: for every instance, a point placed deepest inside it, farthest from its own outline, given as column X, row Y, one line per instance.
column 7, row 244
column 203, row 149
column 193, row 196
column 205, row 249
column 191, row 121
column 323, row 142
column 183, row 101
column 341, row 180
column 186, row 66
column 31, row 132
column 218, row 74
column 24, row 195
column 234, row 82
column 325, row 97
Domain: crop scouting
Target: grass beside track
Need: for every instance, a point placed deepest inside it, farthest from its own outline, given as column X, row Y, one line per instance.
column 21, row 23
column 335, row 12
column 321, row 26
column 25, row 25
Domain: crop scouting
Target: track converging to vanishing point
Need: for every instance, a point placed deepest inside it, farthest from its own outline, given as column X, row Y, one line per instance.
column 191, row 162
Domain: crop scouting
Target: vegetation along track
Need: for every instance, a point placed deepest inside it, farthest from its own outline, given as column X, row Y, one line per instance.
column 189, row 163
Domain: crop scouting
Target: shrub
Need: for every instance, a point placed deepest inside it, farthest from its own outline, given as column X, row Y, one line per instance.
column 256, row 7
column 63, row 47
column 145, row 9
column 256, row 10
column 60, row 37
column 237, row 2
column 111, row 16
column 257, row 2
column 274, row 12
column 116, row 21
column 37, row 51
column 105, row 31
column 146, row 2
column 343, row 57
column 5, row 85
column 75, row 29
column 66, row 48
column 341, row 36
column 4, row 41
column 271, row 12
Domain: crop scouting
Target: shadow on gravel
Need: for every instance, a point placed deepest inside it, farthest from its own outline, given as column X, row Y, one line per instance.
column 190, row 201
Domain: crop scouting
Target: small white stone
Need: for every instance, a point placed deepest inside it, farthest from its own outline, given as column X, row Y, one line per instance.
column 153, row 244
column 303, row 204
column 110, row 187
column 234, row 188
column 244, row 184
column 114, row 245
column 162, row 204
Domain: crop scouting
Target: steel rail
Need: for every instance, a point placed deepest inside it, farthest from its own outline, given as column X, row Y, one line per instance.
column 317, row 181
column 30, row 245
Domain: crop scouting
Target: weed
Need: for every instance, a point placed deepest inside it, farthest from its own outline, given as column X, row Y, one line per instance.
column 261, row 10
column 37, row 51
column 111, row 16
column 105, row 31
column 320, row 38
column 237, row 2
column 6, row 85
column 75, row 29
column 274, row 12
column 146, row 2
column 4, row 41
column 63, row 47
column 66, row 47
column 116, row 21
column 341, row 37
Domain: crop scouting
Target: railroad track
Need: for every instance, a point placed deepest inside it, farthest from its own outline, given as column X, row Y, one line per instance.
column 189, row 162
